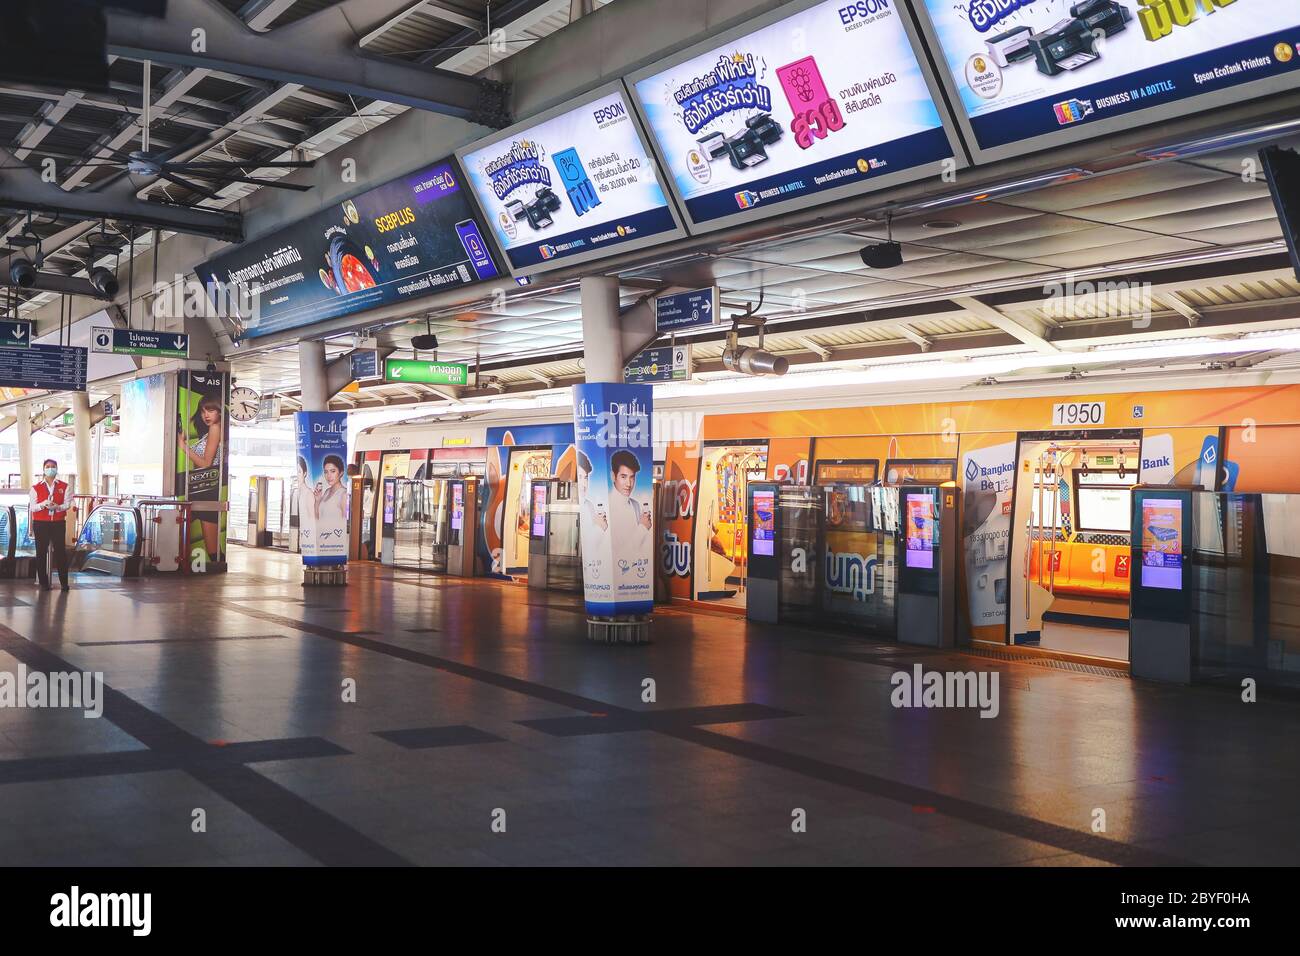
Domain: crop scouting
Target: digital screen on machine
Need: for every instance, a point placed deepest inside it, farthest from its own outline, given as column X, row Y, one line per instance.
column 919, row 534
column 764, row 523
column 1162, row 543
column 539, row 509
column 457, row 506
column 389, row 490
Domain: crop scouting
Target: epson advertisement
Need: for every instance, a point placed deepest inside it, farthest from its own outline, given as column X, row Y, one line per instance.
column 812, row 107
column 1024, row 69
column 570, row 186
column 408, row 238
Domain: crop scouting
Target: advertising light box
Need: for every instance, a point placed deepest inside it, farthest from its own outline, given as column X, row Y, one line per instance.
column 570, row 185
column 1029, row 74
column 795, row 109
column 408, row 238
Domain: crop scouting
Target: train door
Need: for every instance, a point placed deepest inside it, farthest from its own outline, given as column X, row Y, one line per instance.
column 525, row 465
column 1070, row 541
column 721, row 548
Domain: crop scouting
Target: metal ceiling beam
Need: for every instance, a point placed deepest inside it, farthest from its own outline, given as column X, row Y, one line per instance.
column 909, row 333
column 1032, row 333
column 319, row 51
column 23, row 190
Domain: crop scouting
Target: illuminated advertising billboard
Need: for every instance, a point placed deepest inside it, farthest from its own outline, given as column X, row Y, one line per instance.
column 792, row 109
column 570, row 185
column 408, row 238
column 1029, row 74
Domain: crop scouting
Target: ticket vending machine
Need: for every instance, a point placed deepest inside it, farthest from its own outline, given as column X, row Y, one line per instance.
column 927, row 583
column 539, row 496
column 763, row 583
column 387, row 520
column 1160, row 632
column 462, row 540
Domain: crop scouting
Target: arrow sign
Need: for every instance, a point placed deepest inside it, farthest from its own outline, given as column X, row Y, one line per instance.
column 140, row 342
column 686, row 310
column 15, row 333
column 426, row 373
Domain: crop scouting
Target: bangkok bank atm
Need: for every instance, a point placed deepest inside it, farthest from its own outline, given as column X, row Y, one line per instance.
column 927, row 583
column 462, row 537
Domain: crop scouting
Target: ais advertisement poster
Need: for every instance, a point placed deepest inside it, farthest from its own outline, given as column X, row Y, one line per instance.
column 574, row 185
column 831, row 98
column 1026, row 68
column 322, row 442
column 411, row 237
column 203, row 457
column 615, row 497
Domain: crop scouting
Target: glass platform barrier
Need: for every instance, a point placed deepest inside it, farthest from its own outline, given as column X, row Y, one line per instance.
column 421, row 523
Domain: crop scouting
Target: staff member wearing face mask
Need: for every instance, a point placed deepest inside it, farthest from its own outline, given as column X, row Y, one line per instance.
column 48, row 504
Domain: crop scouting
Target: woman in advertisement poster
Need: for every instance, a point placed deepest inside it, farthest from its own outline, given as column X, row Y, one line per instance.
column 208, row 423
column 331, row 499
column 306, row 503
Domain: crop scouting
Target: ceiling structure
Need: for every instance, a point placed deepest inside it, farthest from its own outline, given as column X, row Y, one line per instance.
column 1200, row 241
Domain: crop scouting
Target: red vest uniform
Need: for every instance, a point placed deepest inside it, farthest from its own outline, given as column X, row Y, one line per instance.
column 43, row 494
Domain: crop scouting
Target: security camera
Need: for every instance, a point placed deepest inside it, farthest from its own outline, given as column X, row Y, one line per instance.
column 22, row 273
column 104, row 282
column 750, row 361
column 424, row 343
column 882, row 255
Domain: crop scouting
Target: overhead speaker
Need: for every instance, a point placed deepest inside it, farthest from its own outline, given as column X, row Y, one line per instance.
column 1282, row 170
column 882, row 255
column 104, row 282
column 755, row 362
column 425, row 343
column 22, row 273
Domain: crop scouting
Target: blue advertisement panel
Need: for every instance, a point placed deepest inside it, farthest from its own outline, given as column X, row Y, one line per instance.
column 615, row 475
column 322, row 487
column 571, row 185
column 408, row 238
column 820, row 104
column 1025, row 69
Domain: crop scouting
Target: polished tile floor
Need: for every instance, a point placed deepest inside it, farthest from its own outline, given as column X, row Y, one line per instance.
column 486, row 730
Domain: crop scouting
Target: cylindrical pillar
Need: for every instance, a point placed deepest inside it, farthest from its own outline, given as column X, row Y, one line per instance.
column 81, row 429
column 602, row 337
column 26, row 467
column 312, row 377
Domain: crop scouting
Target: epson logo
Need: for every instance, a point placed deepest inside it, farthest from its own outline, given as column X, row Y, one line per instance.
column 860, row 9
column 1162, row 462
column 607, row 113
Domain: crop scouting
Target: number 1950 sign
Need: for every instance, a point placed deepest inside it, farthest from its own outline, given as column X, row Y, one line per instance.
column 1079, row 413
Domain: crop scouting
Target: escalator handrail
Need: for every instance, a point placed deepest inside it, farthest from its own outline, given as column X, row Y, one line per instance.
column 139, row 527
column 12, row 551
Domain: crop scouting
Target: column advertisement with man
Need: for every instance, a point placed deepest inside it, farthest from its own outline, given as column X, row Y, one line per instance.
column 614, row 451
column 322, row 487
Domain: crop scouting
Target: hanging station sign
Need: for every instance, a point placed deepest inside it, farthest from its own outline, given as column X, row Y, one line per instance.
column 793, row 109
column 571, row 184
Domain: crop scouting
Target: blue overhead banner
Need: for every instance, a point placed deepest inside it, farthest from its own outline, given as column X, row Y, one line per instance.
column 615, row 511
column 408, row 238
column 1024, row 69
column 795, row 108
column 323, row 487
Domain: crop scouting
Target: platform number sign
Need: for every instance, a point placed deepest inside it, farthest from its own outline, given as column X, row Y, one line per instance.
column 1071, row 414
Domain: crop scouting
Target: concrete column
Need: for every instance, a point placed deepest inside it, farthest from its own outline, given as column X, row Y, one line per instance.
column 602, row 335
column 81, row 428
column 26, row 467
column 313, row 377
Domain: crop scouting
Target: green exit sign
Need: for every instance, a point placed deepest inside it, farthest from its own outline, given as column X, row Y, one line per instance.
column 422, row 372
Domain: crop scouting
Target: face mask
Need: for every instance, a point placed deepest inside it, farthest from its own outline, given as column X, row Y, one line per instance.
column 51, row 472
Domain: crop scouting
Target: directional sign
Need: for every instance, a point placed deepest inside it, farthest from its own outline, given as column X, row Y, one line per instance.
column 666, row 364
column 365, row 365
column 425, row 373
column 686, row 310
column 15, row 333
column 58, row 368
column 140, row 342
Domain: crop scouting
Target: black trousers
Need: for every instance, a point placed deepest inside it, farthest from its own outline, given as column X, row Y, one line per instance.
column 50, row 538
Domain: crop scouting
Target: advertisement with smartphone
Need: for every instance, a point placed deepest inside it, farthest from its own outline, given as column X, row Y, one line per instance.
column 570, row 185
column 615, row 496
column 411, row 237
column 1028, row 68
column 829, row 99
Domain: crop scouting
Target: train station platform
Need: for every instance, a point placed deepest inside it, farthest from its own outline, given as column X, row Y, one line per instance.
column 486, row 730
